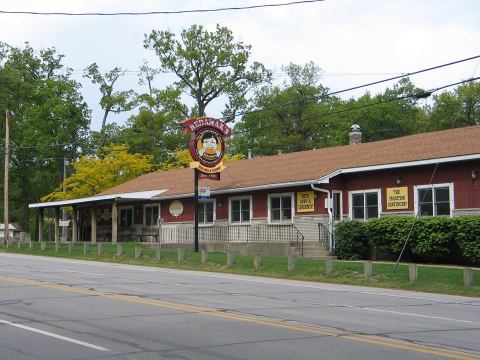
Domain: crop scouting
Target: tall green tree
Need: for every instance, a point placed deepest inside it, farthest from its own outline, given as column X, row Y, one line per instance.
column 50, row 122
column 457, row 108
column 208, row 65
column 111, row 100
column 288, row 117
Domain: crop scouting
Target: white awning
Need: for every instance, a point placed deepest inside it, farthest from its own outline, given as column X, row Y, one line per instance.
column 139, row 195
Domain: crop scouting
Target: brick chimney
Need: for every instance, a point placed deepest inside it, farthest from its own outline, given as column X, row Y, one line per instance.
column 355, row 135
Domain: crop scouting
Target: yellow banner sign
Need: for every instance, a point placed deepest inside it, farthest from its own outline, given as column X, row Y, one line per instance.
column 207, row 170
column 305, row 201
column 397, row 198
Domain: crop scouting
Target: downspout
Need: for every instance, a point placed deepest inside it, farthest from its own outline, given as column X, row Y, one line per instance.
column 330, row 215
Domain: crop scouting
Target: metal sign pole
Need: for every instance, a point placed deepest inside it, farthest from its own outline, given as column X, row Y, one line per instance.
column 195, row 206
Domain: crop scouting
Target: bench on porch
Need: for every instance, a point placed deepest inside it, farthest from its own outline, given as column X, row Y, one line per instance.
column 139, row 234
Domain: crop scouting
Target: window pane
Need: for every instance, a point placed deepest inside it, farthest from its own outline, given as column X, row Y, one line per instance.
column 287, row 202
column 425, row 196
column 275, row 214
column 235, row 205
column 358, row 213
column 287, row 214
column 246, row 215
column 357, row 200
column 201, row 212
column 155, row 215
column 148, row 215
column 236, row 216
column 372, row 212
column 426, row 209
column 209, row 217
column 336, row 206
column 442, row 195
column 209, row 206
column 443, row 208
column 246, row 204
column 372, row 199
column 275, row 202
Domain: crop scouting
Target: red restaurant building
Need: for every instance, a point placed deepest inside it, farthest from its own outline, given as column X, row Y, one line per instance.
column 305, row 192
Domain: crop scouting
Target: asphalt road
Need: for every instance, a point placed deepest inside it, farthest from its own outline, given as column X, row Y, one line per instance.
column 65, row 309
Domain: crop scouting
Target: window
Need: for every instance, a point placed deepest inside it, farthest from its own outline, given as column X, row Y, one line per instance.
column 151, row 213
column 337, row 208
column 126, row 216
column 280, row 208
column 365, row 205
column 434, row 200
column 240, row 209
column 206, row 211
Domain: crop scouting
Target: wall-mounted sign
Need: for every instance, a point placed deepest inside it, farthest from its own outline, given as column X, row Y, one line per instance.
column 203, row 192
column 176, row 208
column 305, row 201
column 397, row 198
column 64, row 223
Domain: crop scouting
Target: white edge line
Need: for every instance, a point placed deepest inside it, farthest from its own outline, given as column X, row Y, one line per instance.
column 56, row 336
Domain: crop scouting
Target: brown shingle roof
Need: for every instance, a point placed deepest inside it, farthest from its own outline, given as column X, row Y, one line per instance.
column 314, row 164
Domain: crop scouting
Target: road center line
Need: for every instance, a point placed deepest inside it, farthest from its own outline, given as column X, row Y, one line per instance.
column 258, row 320
column 56, row 336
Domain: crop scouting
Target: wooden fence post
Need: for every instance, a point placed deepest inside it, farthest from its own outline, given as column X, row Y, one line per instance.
column 367, row 269
column 412, row 273
column 291, row 263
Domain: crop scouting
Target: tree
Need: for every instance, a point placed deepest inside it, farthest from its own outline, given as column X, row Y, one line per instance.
column 457, row 108
column 208, row 65
column 111, row 101
column 288, row 117
column 392, row 113
column 112, row 166
column 50, row 122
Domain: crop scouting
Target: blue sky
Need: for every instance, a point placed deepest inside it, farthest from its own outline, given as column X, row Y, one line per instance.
column 353, row 41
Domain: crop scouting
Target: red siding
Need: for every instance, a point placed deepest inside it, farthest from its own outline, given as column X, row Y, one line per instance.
column 466, row 196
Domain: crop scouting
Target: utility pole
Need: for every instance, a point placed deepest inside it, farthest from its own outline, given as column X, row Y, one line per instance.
column 6, row 221
column 64, row 213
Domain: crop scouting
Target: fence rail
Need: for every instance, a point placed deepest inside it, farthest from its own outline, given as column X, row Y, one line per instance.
column 233, row 233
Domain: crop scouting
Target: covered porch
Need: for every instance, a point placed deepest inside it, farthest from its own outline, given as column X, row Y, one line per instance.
column 97, row 218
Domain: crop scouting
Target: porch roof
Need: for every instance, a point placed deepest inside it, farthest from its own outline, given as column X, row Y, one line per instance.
column 138, row 195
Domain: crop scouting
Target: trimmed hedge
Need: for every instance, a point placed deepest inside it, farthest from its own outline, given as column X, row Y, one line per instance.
column 432, row 239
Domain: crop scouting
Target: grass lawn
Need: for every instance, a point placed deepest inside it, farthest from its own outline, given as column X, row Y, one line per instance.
column 446, row 280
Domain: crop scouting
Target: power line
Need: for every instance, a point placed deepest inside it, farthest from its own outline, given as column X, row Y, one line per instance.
column 174, row 12
column 358, row 86
column 415, row 96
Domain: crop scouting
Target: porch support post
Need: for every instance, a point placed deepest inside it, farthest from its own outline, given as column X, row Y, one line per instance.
column 93, row 223
column 57, row 224
column 114, row 222
column 40, row 224
column 75, row 224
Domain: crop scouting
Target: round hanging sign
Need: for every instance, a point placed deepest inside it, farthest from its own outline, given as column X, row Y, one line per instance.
column 208, row 147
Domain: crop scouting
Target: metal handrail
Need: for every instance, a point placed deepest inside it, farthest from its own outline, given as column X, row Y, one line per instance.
column 298, row 233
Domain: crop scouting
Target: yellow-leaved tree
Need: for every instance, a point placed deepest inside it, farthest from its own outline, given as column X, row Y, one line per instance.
column 111, row 166
column 182, row 159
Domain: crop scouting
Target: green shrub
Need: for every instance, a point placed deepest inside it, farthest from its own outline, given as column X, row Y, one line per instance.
column 439, row 238
column 467, row 235
column 350, row 240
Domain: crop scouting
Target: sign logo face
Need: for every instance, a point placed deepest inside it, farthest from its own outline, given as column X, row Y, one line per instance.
column 209, row 147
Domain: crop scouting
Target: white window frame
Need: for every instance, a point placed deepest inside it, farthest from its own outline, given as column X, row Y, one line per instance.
column 240, row 198
column 451, row 193
column 145, row 213
column 292, row 197
column 120, row 208
column 214, row 201
column 341, row 203
column 367, row 191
